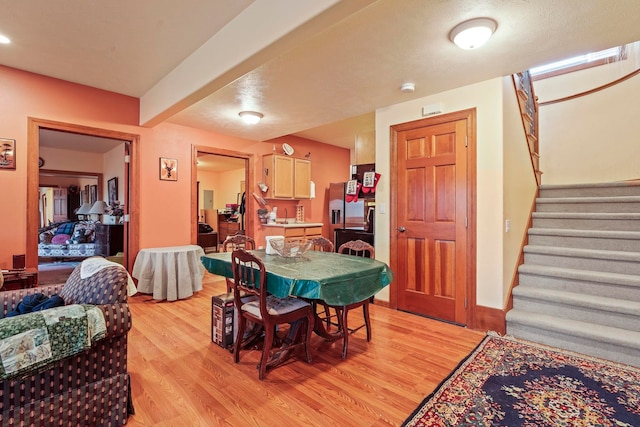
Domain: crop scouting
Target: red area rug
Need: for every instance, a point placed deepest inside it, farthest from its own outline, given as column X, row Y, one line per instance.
column 510, row 382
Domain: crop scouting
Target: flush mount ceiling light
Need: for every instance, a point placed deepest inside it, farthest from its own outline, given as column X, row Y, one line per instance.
column 473, row 33
column 250, row 117
column 4, row 39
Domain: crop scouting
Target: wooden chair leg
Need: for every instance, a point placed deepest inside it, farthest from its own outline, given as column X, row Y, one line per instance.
column 307, row 338
column 266, row 351
column 367, row 322
column 242, row 324
column 345, row 331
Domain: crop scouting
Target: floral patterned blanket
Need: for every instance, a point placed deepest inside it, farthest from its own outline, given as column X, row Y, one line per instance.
column 30, row 341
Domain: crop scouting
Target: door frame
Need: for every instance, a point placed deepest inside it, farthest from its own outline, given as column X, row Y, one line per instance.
column 470, row 116
column 131, row 184
column 249, row 174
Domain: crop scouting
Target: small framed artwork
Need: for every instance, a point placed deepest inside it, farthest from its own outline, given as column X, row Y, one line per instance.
column 112, row 189
column 168, row 169
column 93, row 194
column 7, row 153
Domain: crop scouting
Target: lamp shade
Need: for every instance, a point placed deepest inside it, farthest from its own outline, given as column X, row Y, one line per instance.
column 84, row 209
column 99, row 208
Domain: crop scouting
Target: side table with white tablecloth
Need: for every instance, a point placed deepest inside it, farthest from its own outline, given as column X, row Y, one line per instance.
column 170, row 273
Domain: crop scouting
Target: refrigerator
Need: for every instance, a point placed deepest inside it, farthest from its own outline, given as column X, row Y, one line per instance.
column 349, row 220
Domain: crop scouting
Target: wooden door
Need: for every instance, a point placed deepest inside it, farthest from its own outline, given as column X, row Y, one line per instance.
column 429, row 234
column 59, row 204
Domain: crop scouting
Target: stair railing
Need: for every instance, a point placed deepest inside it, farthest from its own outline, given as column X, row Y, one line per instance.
column 528, row 102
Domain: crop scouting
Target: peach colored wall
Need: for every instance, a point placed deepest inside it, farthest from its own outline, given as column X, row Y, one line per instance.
column 165, row 206
column 27, row 95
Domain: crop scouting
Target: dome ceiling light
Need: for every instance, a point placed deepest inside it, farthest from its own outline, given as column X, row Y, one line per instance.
column 250, row 117
column 473, row 33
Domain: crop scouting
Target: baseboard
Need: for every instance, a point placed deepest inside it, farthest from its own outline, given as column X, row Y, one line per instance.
column 490, row 319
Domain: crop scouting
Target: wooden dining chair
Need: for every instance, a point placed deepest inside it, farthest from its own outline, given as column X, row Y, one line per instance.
column 236, row 241
column 322, row 244
column 363, row 249
column 250, row 278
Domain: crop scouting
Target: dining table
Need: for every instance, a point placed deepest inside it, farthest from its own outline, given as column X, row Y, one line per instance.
column 337, row 279
column 169, row 273
column 334, row 278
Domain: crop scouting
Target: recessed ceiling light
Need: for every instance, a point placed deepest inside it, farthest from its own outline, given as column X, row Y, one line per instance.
column 473, row 33
column 4, row 39
column 250, row 117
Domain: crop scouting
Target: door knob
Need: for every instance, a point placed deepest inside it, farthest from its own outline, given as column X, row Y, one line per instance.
column 401, row 229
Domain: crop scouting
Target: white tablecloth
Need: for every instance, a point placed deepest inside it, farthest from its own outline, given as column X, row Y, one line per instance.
column 170, row 273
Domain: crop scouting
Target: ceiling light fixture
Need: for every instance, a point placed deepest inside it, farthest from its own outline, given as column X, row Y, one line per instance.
column 250, row 117
column 4, row 39
column 473, row 33
column 407, row 87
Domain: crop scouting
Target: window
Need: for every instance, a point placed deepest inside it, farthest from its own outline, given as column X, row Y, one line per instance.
column 580, row 62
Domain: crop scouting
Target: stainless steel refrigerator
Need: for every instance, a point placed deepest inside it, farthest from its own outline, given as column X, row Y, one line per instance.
column 348, row 220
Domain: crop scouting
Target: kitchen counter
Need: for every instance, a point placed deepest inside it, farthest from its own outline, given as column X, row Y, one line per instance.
column 295, row 225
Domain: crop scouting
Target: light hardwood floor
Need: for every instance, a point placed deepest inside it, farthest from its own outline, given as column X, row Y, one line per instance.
column 180, row 378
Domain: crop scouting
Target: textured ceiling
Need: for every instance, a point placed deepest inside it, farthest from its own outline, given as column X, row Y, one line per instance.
column 323, row 79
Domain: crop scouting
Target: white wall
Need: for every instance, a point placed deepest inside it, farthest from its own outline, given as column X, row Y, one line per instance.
column 593, row 138
column 113, row 167
column 487, row 99
column 70, row 160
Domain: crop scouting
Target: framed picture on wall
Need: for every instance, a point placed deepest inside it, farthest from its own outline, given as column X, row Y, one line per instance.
column 112, row 189
column 93, row 194
column 168, row 169
column 7, row 153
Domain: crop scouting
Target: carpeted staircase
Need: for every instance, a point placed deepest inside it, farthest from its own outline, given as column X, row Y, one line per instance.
column 580, row 282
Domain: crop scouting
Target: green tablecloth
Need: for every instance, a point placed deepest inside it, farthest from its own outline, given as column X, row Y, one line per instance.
column 334, row 278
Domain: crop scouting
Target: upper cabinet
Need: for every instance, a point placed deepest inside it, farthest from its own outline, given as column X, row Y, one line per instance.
column 365, row 150
column 287, row 177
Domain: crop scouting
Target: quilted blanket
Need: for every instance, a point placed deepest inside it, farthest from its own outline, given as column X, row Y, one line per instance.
column 30, row 341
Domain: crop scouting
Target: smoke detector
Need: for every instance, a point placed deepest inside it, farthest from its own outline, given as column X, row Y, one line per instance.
column 407, row 87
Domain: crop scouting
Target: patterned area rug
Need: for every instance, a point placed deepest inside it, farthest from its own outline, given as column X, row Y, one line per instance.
column 509, row 382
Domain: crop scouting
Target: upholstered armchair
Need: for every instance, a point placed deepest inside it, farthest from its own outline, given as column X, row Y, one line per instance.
column 90, row 388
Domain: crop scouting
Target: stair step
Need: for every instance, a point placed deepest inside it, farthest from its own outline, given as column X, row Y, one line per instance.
column 622, row 188
column 583, row 259
column 586, row 239
column 618, row 204
column 598, row 310
column 605, row 342
column 614, row 285
column 587, row 221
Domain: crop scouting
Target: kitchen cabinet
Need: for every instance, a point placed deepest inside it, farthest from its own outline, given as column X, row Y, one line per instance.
column 287, row 177
column 294, row 231
column 365, row 149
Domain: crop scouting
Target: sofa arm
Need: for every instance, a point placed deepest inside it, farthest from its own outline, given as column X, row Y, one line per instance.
column 9, row 300
column 118, row 319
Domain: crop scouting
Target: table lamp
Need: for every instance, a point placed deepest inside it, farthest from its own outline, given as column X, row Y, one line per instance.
column 84, row 210
column 98, row 208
